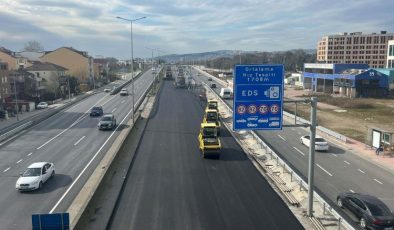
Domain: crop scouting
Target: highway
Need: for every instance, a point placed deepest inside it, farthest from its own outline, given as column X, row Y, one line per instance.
column 336, row 171
column 170, row 185
column 70, row 139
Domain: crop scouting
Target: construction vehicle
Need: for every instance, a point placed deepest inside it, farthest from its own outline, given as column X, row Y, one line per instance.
column 213, row 104
column 212, row 116
column 180, row 81
column 209, row 140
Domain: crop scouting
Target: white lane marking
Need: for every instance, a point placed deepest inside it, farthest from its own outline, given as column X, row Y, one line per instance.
column 324, row 170
column 113, row 110
column 19, row 161
column 5, row 170
column 122, row 102
column 361, row 171
column 281, row 137
column 299, row 151
column 346, row 162
column 79, row 140
column 377, row 181
column 75, row 122
column 88, row 164
column 335, row 155
column 29, row 154
column 351, row 190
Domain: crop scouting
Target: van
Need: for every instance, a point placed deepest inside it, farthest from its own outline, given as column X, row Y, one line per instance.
column 225, row 93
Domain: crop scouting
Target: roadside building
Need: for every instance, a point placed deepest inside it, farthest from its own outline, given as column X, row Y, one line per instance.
column 351, row 80
column 390, row 54
column 5, row 91
column 380, row 134
column 49, row 73
column 295, row 79
column 78, row 64
column 390, row 73
column 355, row 48
column 14, row 60
column 101, row 69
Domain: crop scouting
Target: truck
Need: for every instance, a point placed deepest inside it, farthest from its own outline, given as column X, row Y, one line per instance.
column 213, row 104
column 180, row 81
column 209, row 141
column 212, row 116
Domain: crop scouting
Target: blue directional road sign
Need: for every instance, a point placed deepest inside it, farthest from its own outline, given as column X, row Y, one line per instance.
column 50, row 221
column 258, row 97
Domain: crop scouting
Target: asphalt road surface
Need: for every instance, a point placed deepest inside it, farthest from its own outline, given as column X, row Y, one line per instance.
column 69, row 139
column 170, row 185
column 336, row 170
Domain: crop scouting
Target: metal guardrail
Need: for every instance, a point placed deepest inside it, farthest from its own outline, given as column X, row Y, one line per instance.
column 15, row 130
column 294, row 174
column 327, row 131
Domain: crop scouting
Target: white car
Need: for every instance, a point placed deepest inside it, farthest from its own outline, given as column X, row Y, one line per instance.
column 107, row 90
column 320, row 143
column 42, row 105
column 35, row 176
column 124, row 92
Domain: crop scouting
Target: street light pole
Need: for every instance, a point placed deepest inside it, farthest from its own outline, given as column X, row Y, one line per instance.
column 16, row 101
column 69, row 94
column 132, row 53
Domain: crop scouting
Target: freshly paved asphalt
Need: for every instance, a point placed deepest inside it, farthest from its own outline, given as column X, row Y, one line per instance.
column 336, row 171
column 170, row 186
column 69, row 139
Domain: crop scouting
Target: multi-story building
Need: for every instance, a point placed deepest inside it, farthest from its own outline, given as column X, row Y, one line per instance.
column 355, row 48
column 351, row 80
column 78, row 63
column 49, row 73
column 14, row 60
column 5, row 89
column 390, row 54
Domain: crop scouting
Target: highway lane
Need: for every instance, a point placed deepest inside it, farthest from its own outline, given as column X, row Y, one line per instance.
column 69, row 139
column 336, row 171
column 170, row 186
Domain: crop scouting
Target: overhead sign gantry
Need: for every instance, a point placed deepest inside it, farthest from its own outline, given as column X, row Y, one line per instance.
column 258, row 97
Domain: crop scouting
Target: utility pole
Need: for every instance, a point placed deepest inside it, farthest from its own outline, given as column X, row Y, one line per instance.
column 69, row 94
column 16, row 101
column 311, row 169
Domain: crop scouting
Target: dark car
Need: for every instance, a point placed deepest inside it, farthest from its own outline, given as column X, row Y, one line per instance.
column 372, row 212
column 213, row 85
column 209, row 79
column 108, row 121
column 96, row 111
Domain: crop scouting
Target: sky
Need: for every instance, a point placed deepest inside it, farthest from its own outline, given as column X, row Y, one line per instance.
column 186, row 26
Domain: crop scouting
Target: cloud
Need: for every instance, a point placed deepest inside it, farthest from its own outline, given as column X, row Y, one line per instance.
column 183, row 26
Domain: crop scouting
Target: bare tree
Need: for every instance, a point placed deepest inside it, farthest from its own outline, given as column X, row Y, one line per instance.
column 33, row 46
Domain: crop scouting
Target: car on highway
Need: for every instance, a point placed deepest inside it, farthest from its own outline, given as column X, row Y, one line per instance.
column 108, row 121
column 124, row 92
column 225, row 93
column 372, row 212
column 42, row 105
column 96, row 111
column 320, row 143
column 107, row 90
column 35, row 176
column 209, row 79
column 213, row 85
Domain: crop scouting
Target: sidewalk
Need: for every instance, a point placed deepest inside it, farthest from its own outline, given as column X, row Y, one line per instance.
column 353, row 146
column 4, row 123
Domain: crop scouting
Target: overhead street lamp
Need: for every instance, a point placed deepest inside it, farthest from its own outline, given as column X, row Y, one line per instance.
column 131, row 43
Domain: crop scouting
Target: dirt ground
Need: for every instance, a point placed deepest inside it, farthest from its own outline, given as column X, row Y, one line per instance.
column 352, row 122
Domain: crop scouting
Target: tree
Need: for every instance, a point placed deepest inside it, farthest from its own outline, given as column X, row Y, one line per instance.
column 33, row 46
